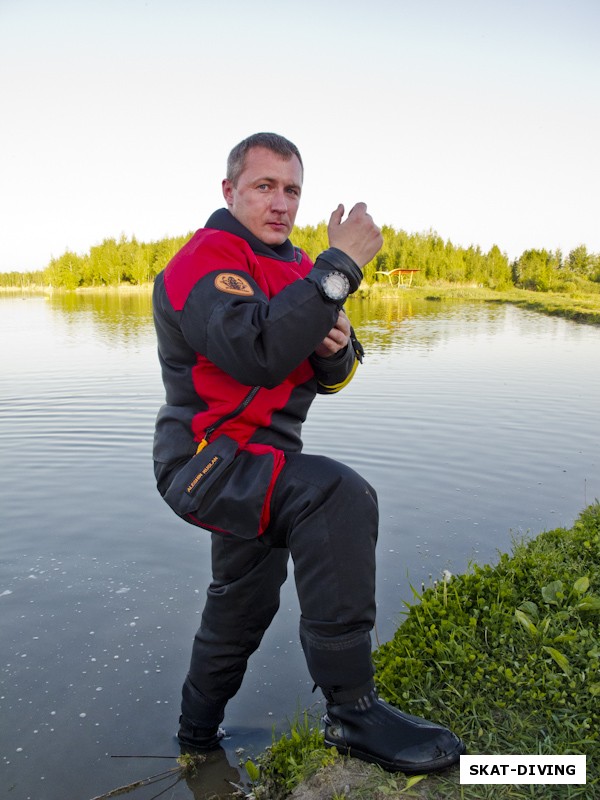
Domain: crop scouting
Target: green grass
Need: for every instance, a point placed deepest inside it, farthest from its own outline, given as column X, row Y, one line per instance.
column 292, row 759
column 507, row 655
column 578, row 306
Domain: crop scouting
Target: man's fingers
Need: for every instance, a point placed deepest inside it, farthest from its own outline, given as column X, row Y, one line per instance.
column 340, row 333
column 343, row 324
column 357, row 236
column 337, row 215
column 359, row 208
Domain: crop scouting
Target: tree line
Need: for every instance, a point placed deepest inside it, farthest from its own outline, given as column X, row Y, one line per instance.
column 110, row 263
column 114, row 262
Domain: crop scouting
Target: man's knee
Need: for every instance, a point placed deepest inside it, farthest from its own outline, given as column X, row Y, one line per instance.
column 311, row 483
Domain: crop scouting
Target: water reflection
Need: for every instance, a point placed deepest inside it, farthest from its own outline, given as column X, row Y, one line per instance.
column 381, row 321
column 117, row 315
column 215, row 778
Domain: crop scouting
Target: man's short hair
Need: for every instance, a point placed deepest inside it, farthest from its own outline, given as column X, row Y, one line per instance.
column 270, row 141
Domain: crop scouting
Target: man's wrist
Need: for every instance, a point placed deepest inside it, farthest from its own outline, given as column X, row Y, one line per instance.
column 333, row 260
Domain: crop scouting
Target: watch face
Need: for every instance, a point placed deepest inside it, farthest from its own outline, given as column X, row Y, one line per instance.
column 336, row 285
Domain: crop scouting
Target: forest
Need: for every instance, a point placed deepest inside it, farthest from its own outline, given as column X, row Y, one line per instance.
column 127, row 261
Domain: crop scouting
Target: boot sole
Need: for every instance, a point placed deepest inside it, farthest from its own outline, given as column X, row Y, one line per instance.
column 438, row 765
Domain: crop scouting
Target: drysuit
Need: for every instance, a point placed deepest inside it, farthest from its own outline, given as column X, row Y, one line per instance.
column 237, row 325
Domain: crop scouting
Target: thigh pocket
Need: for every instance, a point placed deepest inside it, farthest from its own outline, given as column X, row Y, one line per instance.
column 190, row 484
column 238, row 502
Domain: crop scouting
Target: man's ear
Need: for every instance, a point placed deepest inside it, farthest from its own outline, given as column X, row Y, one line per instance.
column 227, row 188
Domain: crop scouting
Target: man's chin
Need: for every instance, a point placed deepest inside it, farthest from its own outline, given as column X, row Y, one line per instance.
column 273, row 236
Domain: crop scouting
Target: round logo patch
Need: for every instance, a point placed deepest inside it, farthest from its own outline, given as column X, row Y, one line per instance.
column 233, row 284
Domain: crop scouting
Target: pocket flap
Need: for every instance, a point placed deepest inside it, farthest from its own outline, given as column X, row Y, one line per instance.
column 190, row 483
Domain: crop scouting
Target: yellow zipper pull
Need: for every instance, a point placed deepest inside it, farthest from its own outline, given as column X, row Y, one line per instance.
column 201, row 446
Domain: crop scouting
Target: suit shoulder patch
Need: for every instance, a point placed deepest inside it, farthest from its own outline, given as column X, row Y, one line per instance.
column 233, row 284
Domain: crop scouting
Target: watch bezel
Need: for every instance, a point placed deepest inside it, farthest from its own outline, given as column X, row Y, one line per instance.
column 327, row 290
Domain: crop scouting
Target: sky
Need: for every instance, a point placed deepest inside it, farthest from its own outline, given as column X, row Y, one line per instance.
column 477, row 119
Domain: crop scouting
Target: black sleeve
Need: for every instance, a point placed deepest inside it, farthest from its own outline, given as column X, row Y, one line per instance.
column 337, row 371
column 255, row 340
column 334, row 259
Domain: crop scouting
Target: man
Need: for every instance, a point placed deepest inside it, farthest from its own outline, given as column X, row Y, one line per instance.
column 249, row 330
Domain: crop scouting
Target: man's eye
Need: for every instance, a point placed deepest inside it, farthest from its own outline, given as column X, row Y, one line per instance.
column 263, row 187
column 293, row 191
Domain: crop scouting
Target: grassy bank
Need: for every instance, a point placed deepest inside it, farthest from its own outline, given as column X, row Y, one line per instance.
column 580, row 307
column 506, row 655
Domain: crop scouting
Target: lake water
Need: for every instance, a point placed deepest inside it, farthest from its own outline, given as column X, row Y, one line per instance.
column 474, row 422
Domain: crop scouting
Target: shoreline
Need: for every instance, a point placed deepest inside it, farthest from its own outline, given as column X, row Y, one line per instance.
column 581, row 308
column 39, row 289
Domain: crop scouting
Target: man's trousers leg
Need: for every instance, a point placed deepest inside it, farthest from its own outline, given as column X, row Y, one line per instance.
column 241, row 602
column 327, row 515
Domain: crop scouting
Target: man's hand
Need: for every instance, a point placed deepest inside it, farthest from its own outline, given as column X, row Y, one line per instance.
column 337, row 338
column 357, row 236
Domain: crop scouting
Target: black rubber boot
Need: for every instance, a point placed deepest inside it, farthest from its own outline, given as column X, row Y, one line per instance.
column 200, row 739
column 372, row 730
column 199, row 723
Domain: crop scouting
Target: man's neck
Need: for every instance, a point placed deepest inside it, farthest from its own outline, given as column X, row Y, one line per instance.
column 223, row 220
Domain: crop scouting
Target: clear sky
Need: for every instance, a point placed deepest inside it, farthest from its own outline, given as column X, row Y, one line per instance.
column 479, row 119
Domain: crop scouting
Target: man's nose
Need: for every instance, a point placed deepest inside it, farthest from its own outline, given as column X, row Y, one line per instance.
column 279, row 201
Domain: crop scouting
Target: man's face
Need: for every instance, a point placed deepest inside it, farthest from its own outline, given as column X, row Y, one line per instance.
column 266, row 197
